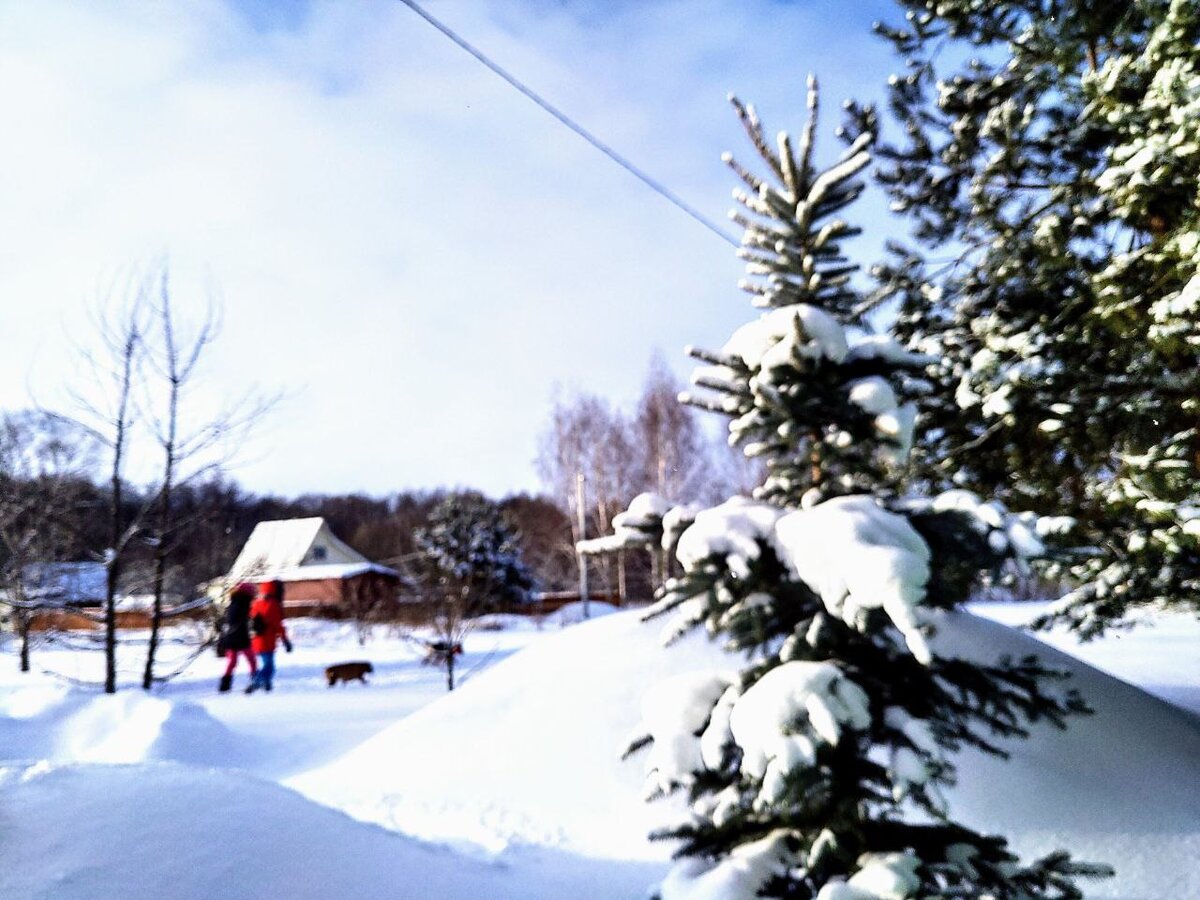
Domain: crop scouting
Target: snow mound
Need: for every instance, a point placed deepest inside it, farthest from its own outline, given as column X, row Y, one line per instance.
column 1121, row 786
column 89, row 832
column 572, row 613
column 527, row 754
column 32, row 701
column 60, row 724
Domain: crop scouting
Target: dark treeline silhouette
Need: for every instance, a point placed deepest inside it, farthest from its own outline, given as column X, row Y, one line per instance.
column 216, row 516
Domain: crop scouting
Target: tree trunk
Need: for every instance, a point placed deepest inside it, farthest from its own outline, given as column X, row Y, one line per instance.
column 110, row 624
column 111, row 574
column 621, row 578
column 160, row 567
column 112, row 562
column 23, row 623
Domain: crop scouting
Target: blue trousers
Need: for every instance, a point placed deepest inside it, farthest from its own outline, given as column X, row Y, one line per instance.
column 266, row 670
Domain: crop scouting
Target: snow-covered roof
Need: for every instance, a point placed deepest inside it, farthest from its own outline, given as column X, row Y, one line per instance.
column 66, row 582
column 333, row 571
column 280, row 546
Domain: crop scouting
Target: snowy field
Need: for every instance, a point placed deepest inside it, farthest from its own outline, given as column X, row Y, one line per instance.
column 511, row 787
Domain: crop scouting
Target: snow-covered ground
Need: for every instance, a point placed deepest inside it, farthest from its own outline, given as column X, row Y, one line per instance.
column 511, row 786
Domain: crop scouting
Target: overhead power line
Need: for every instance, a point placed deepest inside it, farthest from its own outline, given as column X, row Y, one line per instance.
column 652, row 183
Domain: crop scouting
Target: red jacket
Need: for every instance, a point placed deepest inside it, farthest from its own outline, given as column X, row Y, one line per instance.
column 271, row 629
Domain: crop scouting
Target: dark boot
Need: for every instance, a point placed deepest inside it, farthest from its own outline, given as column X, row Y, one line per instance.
column 226, row 683
column 251, row 687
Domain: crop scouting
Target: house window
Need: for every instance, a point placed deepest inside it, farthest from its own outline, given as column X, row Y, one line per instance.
column 318, row 554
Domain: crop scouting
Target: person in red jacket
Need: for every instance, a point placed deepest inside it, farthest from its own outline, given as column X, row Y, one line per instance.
column 266, row 623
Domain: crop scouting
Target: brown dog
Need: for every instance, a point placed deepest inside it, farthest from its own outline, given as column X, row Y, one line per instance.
column 348, row 671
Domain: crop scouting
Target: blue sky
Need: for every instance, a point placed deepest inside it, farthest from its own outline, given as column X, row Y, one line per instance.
column 408, row 247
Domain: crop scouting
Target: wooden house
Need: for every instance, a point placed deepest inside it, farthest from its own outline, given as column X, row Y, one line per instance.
column 320, row 572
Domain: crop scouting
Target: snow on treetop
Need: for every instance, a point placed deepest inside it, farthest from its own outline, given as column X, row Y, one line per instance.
column 856, row 556
column 771, row 339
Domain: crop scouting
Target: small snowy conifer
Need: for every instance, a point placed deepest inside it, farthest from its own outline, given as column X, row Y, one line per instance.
column 469, row 542
column 816, row 771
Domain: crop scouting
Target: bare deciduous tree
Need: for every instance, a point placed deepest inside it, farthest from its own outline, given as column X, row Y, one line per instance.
column 672, row 451
column 586, row 436
column 107, row 408
column 136, row 377
column 189, row 446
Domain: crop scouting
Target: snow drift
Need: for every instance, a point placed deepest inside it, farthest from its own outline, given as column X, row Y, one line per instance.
column 53, row 722
column 528, row 754
column 101, row 832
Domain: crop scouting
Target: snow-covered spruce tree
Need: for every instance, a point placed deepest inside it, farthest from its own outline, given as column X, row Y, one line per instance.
column 1148, row 296
column 816, row 771
column 470, row 564
column 996, row 174
column 1053, row 177
column 469, row 541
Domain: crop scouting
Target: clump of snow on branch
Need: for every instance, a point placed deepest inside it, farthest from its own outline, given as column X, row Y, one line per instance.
column 781, row 718
column 894, row 421
column 732, row 531
column 638, row 526
column 880, row 876
column 1019, row 535
column 739, row 876
column 648, row 521
column 677, row 520
column 797, row 331
column 856, row 556
column 644, row 513
column 674, row 712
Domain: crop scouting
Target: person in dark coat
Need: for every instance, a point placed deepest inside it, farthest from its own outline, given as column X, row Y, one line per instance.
column 266, row 620
column 235, row 634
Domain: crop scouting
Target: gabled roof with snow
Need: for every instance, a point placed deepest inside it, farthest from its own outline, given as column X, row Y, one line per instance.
column 281, row 546
column 66, row 582
column 333, row 571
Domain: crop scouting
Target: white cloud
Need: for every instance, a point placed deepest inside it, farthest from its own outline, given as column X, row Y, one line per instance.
column 392, row 228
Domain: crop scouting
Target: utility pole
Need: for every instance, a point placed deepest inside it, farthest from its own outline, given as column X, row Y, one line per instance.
column 580, row 495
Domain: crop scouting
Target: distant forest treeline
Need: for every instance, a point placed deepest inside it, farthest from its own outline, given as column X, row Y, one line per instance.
column 216, row 516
